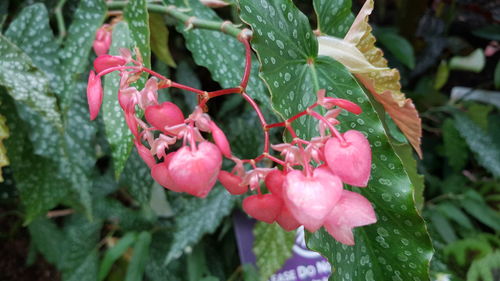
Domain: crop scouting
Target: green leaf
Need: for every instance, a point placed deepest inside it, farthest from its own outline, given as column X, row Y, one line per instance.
column 442, row 74
column 496, row 78
column 137, row 177
column 475, row 206
column 48, row 238
column 454, row 213
column 478, row 113
column 114, row 253
column 397, row 247
column 136, row 15
column 140, row 257
column 272, row 247
column 334, row 16
column 486, row 150
column 81, row 261
column 117, row 132
column 474, row 62
column 221, row 54
column 159, row 39
column 32, row 33
column 199, row 217
column 489, row 32
column 405, row 153
column 88, row 17
column 25, row 83
column 443, row 227
column 455, row 148
column 397, row 45
column 483, row 269
column 39, row 188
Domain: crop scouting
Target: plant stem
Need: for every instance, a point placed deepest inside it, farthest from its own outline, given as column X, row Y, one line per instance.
column 61, row 26
column 189, row 21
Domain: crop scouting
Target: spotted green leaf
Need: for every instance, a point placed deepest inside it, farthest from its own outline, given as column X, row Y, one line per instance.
column 334, row 16
column 87, row 18
column 159, row 39
column 26, row 83
column 136, row 15
column 39, row 189
column 137, row 178
column 117, row 132
column 397, row 247
column 480, row 142
column 221, row 54
column 199, row 217
column 272, row 247
column 31, row 31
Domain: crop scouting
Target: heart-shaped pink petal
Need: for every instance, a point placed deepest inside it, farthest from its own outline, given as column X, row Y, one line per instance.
column 160, row 174
column 286, row 220
column 220, row 139
column 145, row 154
column 351, row 161
column 265, row 207
column 352, row 210
column 274, row 182
column 311, row 198
column 232, row 183
column 164, row 115
column 195, row 170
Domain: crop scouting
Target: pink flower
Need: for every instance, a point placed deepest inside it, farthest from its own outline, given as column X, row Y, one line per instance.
column 351, row 161
column 195, row 170
column 104, row 62
column 164, row 115
column 220, row 139
column 232, row 183
column 102, row 40
column 352, row 210
column 94, row 94
column 263, row 207
column 311, row 198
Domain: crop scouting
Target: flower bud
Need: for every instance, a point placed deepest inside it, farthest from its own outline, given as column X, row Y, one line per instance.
column 94, row 94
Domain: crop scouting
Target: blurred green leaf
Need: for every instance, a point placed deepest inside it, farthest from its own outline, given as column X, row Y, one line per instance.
column 442, row 74
column 474, row 62
column 334, row 16
column 485, row 148
column 48, row 240
column 488, row 32
column 455, row 213
column 159, row 39
column 117, row 132
column 443, row 227
column 114, row 253
column 137, row 178
column 479, row 114
column 484, row 269
column 397, row 45
column 475, row 206
column 454, row 146
column 140, row 257
column 199, row 217
column 74, row 57
column 80, row 254
column 496, row 76
column 272, row 247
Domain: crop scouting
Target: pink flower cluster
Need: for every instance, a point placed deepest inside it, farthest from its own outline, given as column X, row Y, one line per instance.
column 308, row 189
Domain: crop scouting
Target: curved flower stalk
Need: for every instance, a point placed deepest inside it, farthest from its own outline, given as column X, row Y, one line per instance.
column 304, row 188
column 358, row 53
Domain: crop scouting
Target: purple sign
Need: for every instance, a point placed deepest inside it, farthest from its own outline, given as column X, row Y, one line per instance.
column 304, row 265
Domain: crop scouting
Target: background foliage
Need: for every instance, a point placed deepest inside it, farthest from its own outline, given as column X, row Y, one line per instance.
column 77, row 203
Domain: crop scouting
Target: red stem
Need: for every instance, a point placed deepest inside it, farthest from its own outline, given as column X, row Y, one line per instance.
column 248, row 64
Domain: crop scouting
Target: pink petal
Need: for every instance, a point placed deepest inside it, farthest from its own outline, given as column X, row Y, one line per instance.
column 311, row 199
column 345, row 104
column 161, row 175
column 286, row 220
column 94, row 94
column 145, row 154
column 352, row 210
column 107, row 61
column 264, row 207
column 232, row 183
column 274, row 182
column 350, row 161
column 220, row 140
column 100, row 47
column 164, row 115
column 196, row 171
